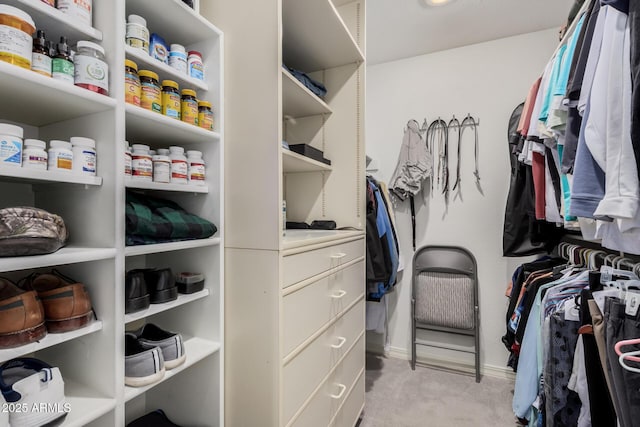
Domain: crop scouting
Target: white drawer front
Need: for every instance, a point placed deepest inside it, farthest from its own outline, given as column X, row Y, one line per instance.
column 308, row 309
column 350, row 411
column 306, row 264
column 325, row 403
column 303, row 374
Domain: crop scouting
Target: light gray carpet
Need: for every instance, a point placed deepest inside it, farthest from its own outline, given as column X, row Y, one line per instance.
column 396, row 396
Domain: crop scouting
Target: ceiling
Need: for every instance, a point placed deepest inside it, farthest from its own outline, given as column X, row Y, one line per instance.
column 403, row 28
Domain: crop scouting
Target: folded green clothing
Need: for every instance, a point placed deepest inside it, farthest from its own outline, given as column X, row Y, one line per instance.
column 152, row 220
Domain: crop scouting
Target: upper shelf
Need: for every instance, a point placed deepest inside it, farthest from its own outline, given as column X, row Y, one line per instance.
column 294, row 162
column 298, row 101
column 174, row 21
column 31, row 176
column 145, row 61
column 161, row 186
column 144, row 125
column 315, row 37
column 171, row 246
column 54, row 22
column 40, row 100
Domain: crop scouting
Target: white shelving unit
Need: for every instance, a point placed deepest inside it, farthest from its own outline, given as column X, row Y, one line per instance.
column 91, row 359
column 277, row 283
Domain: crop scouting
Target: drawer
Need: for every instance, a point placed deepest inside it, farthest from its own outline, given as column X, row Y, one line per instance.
column 350, row 412
column 326, row 402
column 303, row 374
column 303, row 265
column 308, row 309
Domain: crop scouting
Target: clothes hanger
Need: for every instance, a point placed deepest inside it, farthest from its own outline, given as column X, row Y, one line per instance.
column 623, row 343
column 629, row 356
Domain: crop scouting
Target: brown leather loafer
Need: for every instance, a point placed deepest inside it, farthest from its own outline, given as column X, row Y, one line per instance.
column 21, row 316
column 67, row 305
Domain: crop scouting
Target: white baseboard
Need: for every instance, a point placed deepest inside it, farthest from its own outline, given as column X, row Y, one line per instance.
column 448, row 363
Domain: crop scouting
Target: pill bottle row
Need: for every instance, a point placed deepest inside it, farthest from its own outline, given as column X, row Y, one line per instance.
column 86, row 67
column 164, row 165
column 175, row 55
column 142, row 88
column 78, row 155
column 77, row 10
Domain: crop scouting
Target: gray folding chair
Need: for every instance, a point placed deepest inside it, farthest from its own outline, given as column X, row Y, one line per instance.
column 445, row 297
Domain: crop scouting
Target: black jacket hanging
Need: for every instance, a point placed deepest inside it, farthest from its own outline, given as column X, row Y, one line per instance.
column 523, row 234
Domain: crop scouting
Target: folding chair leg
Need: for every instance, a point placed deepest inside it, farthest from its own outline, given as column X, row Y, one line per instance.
column 477, row 345
column 413, row 335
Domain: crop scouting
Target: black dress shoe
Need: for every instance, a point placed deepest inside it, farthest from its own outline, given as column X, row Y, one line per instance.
column 156, row 418
column 136, row 291
column 161, row 284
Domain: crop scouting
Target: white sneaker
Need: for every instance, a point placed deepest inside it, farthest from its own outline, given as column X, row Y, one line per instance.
column 34, row 392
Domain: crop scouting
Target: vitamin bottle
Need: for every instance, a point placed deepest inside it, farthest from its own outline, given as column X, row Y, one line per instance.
column 195, row 65
column 197, row 173
column 91, row 70
column 60, row 156
column 171, row 99
column 40, row 59
column 137, row 33
column 10, row 145
column 84, row 155
column 127, row 160
column 205, row 115
column 161, row 168
column 16, row 30
column 179, row 166
column 189, row 106
column 34, row 155
column 150, row 97
column 131, row 83
column 141, row 163
column 178, row 58
column 62, row 67
column 80, row 10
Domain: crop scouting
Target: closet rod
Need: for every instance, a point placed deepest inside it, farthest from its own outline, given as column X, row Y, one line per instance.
column 572, row 27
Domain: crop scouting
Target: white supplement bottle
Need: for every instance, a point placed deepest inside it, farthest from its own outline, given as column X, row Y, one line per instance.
column 141, row 163
column 34, row 155
column 178, row 58
column 137, row 35
column 197, row 170
column 10, row 145
column 60, row 156
column 84, row 155
column 127, row 160
column 161, row 168
column 79, row 10
column 179, row 167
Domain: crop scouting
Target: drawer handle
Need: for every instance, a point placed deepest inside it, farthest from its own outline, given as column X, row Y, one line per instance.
column 339, row 255
column 342, row 341
column 339, row 294
column 343, row 388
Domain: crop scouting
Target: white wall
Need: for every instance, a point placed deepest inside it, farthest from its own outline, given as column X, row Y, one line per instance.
column 486, row 80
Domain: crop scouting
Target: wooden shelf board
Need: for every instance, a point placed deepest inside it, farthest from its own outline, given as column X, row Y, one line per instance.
column 56, row 23
column 49, row 340
column 315, row 37
column 144, row 125
column 144, row 61
column 67, row 255
column 40, row 100
column 159, row 186
column 195, row 348
column 172, row 246
column 28, row 175
column 298, row 101
column 159, row 308
column 293, row 162
column 85, row 404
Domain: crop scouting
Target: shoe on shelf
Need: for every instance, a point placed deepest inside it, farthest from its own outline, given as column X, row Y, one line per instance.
column 156, row 418
column 36, row 388
column 66, row 303
column 161, row 284
column 142, row 365
column 171, row 344
column 136, row 292
column 21, row 316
